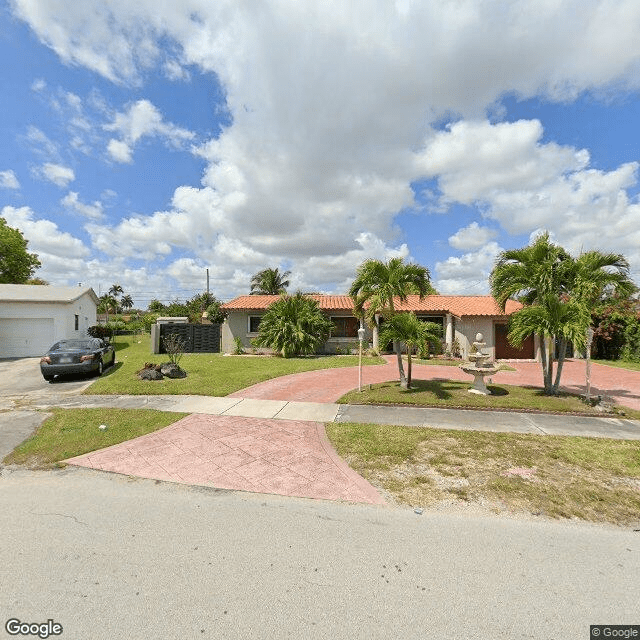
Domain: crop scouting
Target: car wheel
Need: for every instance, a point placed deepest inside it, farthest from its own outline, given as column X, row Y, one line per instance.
column 48, row 378
column 100, row 367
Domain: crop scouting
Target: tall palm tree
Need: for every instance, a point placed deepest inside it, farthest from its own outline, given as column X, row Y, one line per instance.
column 115, row 292
column 269, row 282
column 405, row 327
column 126, row 302
column 551, row 318
column 106, row 303
column 376, row 286
column 544, row 275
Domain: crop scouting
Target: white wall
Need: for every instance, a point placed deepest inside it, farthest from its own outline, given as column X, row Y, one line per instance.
column 61, row 317
column 466, row 330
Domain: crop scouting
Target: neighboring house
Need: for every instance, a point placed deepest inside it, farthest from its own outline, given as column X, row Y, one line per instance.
column 461, row 318
column 34, row 317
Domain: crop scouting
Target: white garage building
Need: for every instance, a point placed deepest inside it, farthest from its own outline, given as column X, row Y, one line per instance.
column 33, row 317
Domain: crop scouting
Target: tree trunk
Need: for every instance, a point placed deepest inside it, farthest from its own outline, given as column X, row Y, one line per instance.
column 403, row 378
column 561, row 357
column 409, row 367
column 547, row 371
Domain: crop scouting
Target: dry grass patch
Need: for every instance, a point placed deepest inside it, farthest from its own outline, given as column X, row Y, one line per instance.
column 561, row 477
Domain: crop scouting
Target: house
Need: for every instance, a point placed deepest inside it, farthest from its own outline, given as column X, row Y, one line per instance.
column 34, row 317
column 461, row 318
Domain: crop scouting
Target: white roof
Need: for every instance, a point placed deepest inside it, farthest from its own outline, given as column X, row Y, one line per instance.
column 43, row 293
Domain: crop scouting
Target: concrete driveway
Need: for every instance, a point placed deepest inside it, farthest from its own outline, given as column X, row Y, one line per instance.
column 21, row 380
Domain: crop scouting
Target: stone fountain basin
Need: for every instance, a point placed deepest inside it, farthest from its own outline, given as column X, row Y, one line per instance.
column 487, row 369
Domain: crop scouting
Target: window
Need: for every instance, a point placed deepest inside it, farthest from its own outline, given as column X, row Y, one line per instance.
column 439, row 320
column 254, row 324
column 344, row 327
column 77, row 322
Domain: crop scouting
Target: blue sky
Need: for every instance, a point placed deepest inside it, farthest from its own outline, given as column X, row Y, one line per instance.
column 145, row 143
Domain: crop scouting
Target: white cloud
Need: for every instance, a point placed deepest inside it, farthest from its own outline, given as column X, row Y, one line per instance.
column 142, row 119
column 173, row 71
column 61, row 254
column 472, row 236
column 56, row 173
column 467, row 274
column 92, row 211
column 330, row 123
column 120, row 151
column 8, row 180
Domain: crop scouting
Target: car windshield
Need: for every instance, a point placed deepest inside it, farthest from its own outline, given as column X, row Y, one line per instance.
column 71, row 345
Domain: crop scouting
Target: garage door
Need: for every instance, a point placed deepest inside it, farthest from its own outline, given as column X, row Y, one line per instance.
column 25, row 337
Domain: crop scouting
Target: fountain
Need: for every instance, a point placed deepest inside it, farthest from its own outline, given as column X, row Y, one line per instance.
column 478, row 367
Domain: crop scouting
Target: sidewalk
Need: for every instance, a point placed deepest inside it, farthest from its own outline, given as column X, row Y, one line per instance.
column 496, row 421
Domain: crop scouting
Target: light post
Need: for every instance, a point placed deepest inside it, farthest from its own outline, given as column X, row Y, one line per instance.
column 360, row 339
column 589, row 340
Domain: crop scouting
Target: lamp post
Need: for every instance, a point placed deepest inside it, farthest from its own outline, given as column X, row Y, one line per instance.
column 360, row 339
column 589, row 340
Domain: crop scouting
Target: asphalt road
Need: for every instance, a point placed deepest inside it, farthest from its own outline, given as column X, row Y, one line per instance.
column 114, row 557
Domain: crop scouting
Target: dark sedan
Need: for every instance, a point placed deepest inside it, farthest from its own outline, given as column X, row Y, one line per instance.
column 72, row 357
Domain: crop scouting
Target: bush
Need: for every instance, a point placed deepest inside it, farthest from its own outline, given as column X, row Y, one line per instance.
column 239, row 350
column 174, row 347
column 100, row 331
column 294, row 325
column 148, row 320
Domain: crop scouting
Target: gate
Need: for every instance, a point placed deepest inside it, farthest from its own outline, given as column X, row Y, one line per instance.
column 197, row 338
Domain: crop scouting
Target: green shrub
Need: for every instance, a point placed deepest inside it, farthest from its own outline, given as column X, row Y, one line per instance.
column 294, row 325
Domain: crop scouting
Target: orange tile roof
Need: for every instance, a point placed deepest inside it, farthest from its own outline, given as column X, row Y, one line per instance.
column 456, row 305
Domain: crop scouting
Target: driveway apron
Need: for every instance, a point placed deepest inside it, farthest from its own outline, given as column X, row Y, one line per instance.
column 285, row 457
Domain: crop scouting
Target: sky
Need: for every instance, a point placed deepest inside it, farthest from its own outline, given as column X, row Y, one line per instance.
column 144, row 143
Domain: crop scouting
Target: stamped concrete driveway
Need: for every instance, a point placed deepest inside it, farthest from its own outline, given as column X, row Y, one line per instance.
column 327, row 385
column 284, row 457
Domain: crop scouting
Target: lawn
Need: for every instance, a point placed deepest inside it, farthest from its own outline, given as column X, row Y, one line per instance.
column 592, row 479
column 72, row 432
column 209, row 374
column 620, row 364
column 454, row 394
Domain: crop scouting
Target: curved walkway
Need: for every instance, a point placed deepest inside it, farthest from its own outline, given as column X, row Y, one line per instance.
column 328, row 385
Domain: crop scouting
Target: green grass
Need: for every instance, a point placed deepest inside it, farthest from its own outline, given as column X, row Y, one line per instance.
column 72, row 432
column 450, row 393
column 593, row 479
column 209, row 374
column 620, row 364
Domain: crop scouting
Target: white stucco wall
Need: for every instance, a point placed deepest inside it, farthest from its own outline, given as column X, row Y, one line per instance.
column 237, row 325
column 26, row 327
column 466, row 329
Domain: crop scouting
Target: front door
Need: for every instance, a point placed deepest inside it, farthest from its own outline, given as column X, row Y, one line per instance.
column 506, row 351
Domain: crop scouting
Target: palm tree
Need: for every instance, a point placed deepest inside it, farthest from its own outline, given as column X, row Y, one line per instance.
column 269, row 282
column 405, row 327
column 376, row 286
column 116, row 291
column 544, row 275
column 551, row 318
column 294, row 325
column 126, row 302
column 107, row 302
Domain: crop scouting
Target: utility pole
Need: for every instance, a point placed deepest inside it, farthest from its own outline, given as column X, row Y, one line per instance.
column 207, row 282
